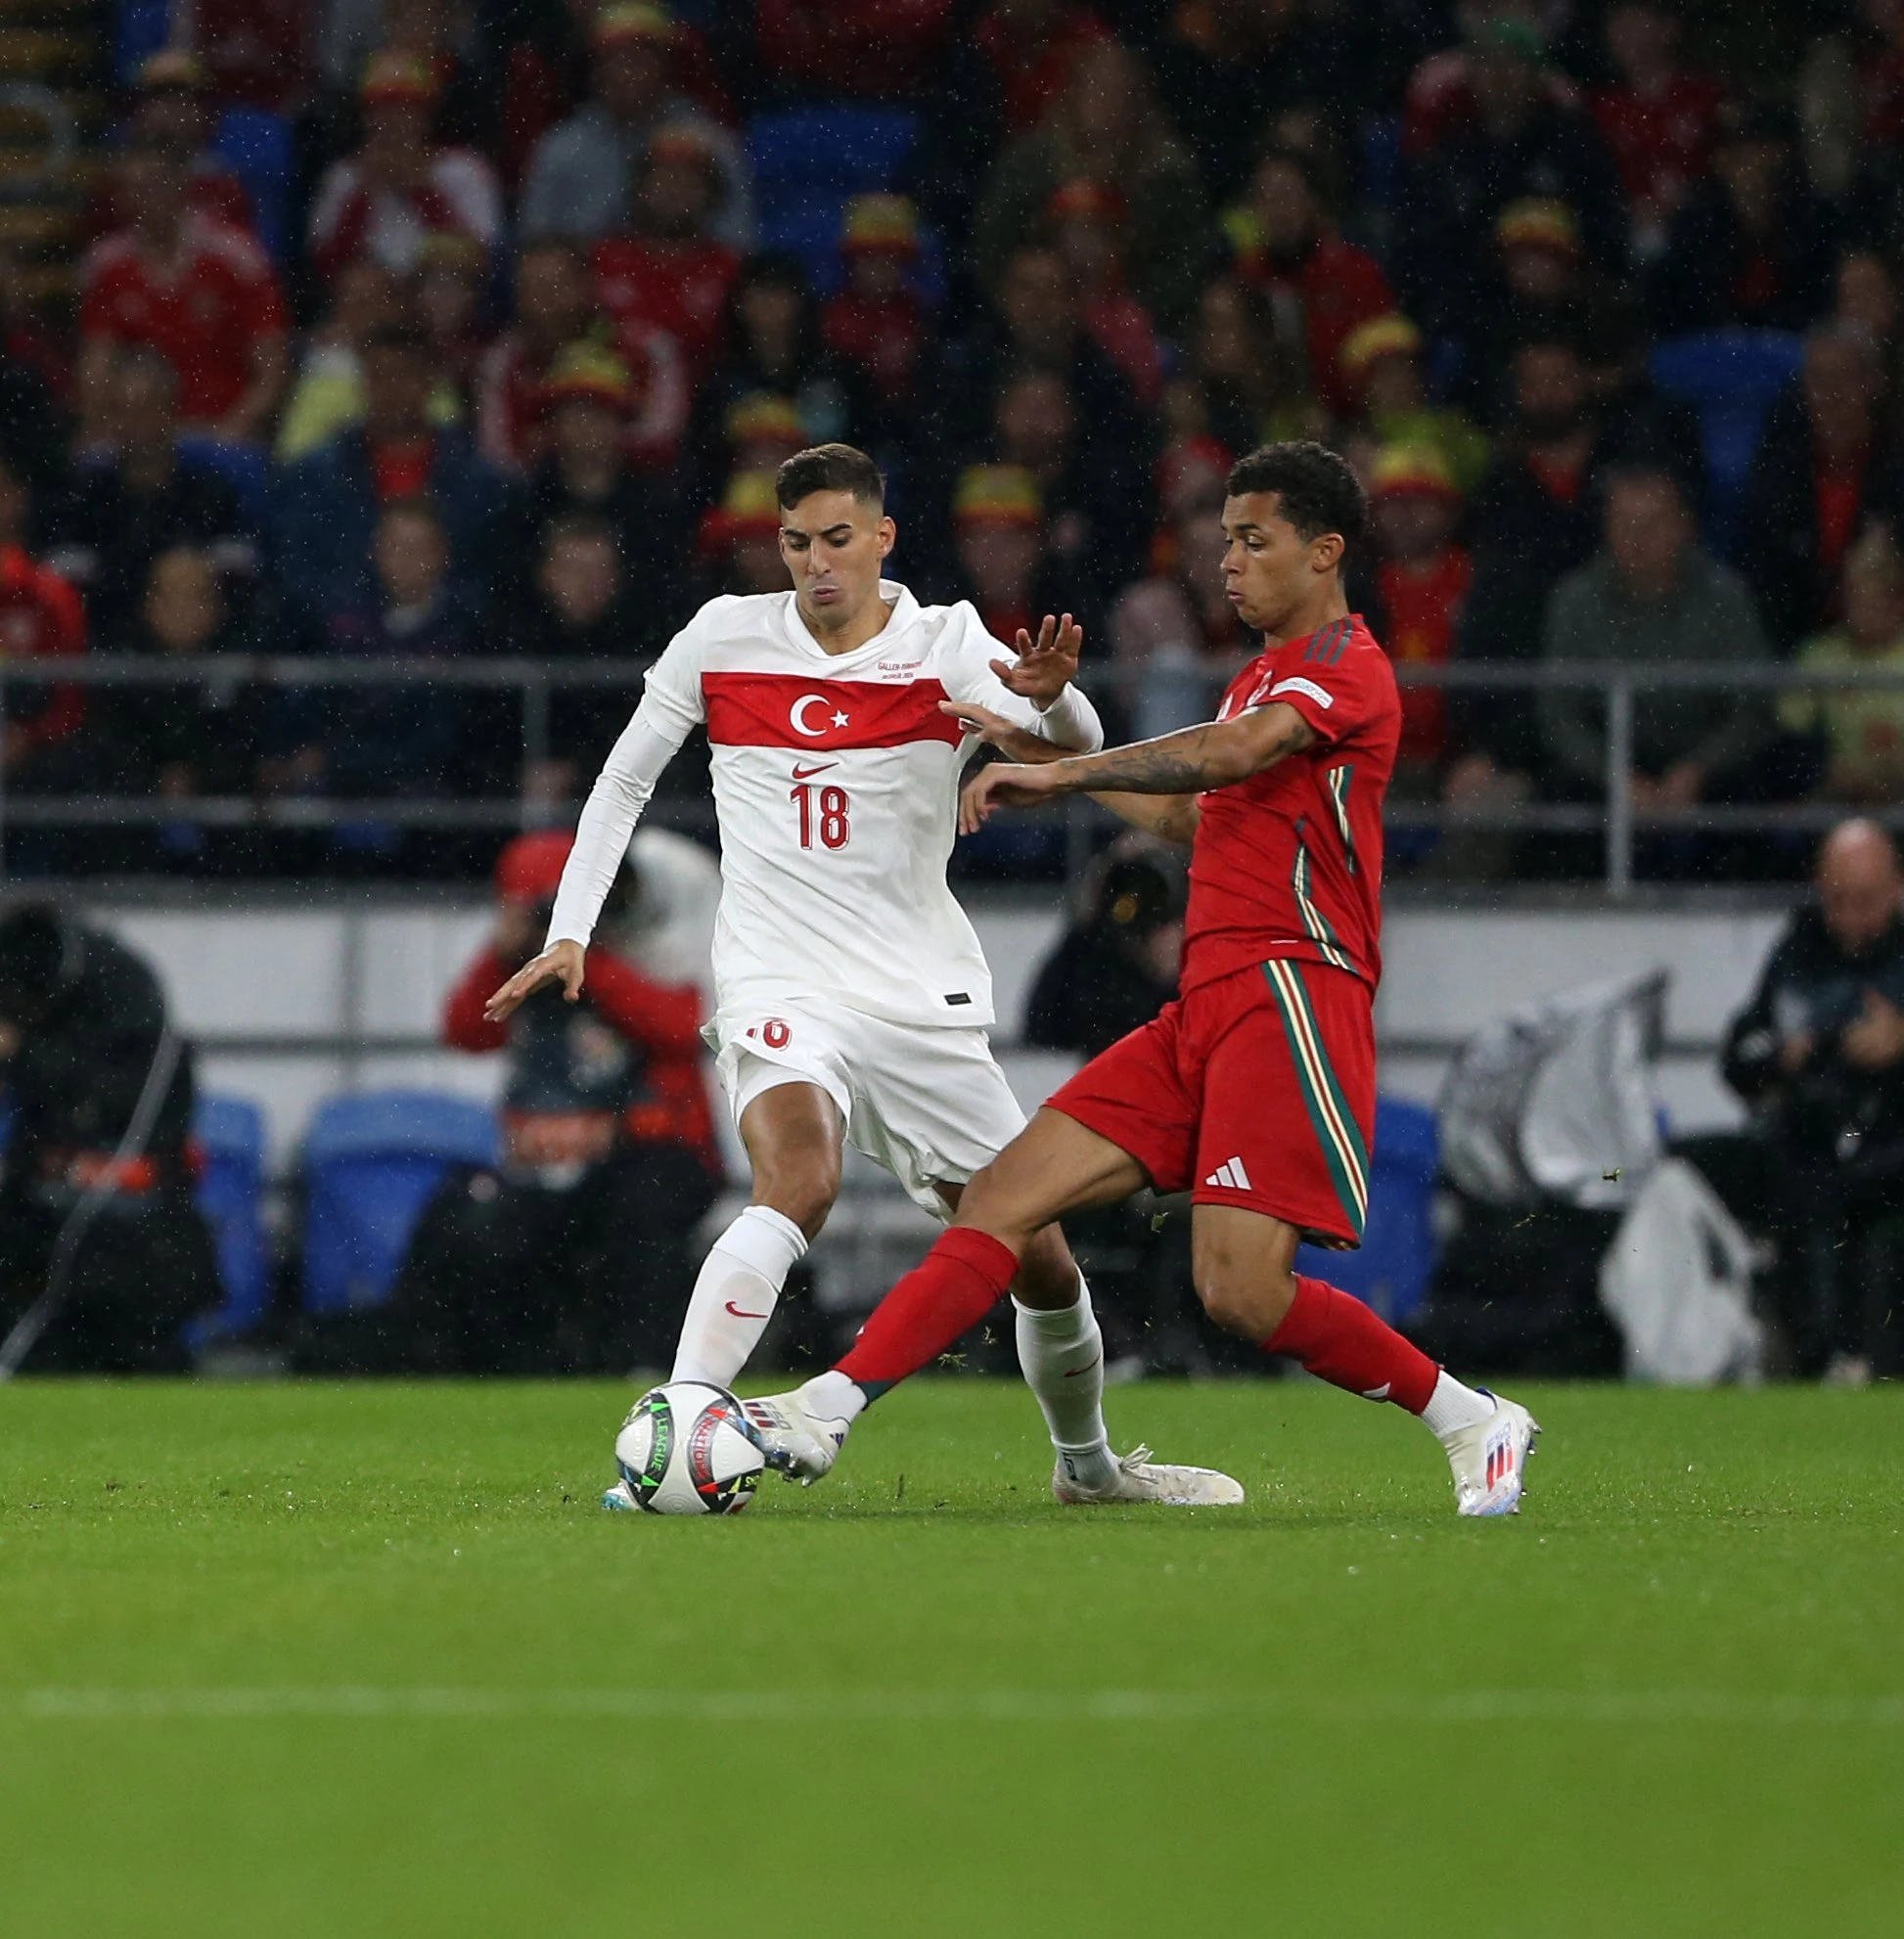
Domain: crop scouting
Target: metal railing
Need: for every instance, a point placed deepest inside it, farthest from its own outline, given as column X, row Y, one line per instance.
column 1616, row 819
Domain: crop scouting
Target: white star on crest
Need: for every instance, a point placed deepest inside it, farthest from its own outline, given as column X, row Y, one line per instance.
column 839, row 720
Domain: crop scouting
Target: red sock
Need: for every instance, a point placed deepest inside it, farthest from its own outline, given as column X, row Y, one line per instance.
column 947, row 1293
column 1340, row 1340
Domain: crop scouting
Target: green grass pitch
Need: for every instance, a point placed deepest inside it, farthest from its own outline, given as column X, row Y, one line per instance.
column 298, row 1660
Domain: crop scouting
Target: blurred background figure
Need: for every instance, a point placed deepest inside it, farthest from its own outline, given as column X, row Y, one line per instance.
column 574, row 1256
column 83, row 1031
column 1819, row 1057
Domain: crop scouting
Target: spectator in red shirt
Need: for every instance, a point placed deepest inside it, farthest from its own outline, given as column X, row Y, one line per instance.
column 40, row 618
column 671, row 274
column 998, row 533
column 1088, row 226
column 399, row 186
column 1657, row 118
column 1283, row 241
column 197, row 291
column 555, row 307
column 573, row 1256
column 879, row 48
column 1420, row 582
column 876, row 323
column 739, row 540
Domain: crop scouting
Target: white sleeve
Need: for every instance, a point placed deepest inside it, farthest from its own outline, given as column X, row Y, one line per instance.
column 1071, row 721
column 671, row 709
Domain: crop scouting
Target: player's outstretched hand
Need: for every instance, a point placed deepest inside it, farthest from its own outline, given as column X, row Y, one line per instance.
column 1003, row 784
column 1047, row 665
column 1015, row 743
column 561, row 961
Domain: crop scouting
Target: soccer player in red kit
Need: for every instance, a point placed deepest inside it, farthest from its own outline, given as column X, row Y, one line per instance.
column 1255, row 1089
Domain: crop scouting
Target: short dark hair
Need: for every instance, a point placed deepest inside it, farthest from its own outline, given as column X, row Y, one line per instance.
column 829, row 467
column 1315, row 489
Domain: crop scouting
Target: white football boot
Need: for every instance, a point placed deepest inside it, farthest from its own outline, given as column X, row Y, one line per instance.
column 1490, row 1459
column 620, row 1499
column 803, row 1446
column 1141, row 1479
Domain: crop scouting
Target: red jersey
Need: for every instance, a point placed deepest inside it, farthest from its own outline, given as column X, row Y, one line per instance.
column 680, row 287
column 1289, row 863
column 203, row 312
column 40, row 614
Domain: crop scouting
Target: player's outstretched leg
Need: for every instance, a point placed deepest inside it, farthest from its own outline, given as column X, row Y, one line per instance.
column 1243, row 1261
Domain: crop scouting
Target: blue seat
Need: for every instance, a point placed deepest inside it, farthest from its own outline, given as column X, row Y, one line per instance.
column 230, row 1135
column 1392, row 1270
column 800, row 155
column 372, row 1162
column 1730, row 378
column 255, row 144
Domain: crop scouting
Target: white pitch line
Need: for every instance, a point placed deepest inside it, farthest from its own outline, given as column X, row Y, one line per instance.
column 1009, row 1706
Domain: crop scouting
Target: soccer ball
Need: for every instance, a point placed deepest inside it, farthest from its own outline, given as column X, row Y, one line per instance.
column 686, row 1449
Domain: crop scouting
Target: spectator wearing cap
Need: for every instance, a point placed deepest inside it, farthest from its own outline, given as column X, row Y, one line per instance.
column 1106, row 127
column 673, row 272
column 1414, row 598
column 1544, row 287
column 573, row 1256
column 876, row 323
column 1242, row 382
column 173, row 109
column 582, row 175
column 1825, row 468
column 998, row 537
column 1088, row 226
column 1280, row 240
column 739, row 541
column 195, row 290
column 1861, row 730
column 41, row 618
column 1521, row 139
column 1380, row 364
column 587, row 471
column 1656, row 115
column 139, row 496
column 1176, row 639
column 1751, row 245
column 400, row 187
column 324, row 507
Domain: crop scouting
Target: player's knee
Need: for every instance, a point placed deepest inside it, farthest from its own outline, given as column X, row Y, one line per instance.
column 1247, row 1302
column 801, row 1190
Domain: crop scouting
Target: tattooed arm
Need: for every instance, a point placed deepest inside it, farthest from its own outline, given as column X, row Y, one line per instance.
column 1182, row 764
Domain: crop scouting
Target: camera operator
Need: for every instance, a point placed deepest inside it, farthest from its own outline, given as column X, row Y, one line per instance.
column 82, row 1032
column 1819, row 1056
column 574, row 1256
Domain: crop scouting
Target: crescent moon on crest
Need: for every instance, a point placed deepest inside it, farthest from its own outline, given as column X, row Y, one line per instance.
column 798, row 715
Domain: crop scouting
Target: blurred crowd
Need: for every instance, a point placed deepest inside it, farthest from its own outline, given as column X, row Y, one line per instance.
column 502, row 360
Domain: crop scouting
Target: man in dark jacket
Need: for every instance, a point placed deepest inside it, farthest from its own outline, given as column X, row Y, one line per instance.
column 82, row 1032
column 1115, row 967
column 1819, row 1056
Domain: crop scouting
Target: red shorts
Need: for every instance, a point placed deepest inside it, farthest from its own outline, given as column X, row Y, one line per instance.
column 1257, row 1090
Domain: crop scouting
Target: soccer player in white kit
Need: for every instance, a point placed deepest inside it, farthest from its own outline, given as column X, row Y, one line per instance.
column 852, row 997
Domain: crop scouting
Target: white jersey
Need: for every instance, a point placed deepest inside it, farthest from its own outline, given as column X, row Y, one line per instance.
column 835, row 783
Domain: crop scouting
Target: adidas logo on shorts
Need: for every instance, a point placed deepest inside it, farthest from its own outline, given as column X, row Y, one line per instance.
column 1232, row 1174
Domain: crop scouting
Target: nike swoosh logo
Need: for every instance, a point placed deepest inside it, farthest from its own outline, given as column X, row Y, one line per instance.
column 738, row 1315
column 806, row 774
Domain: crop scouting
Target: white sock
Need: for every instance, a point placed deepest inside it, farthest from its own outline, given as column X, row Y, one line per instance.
column 1452, row 1406
column 1062, row 1355
column 735, row 1295
column 833, row 1396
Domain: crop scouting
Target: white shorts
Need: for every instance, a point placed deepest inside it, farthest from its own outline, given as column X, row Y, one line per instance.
column 929, row 1104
